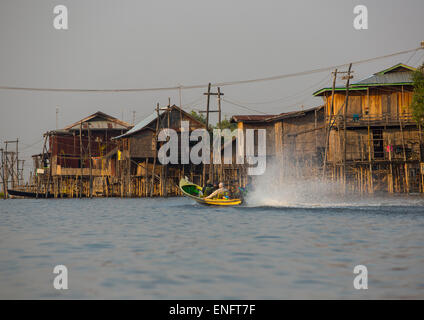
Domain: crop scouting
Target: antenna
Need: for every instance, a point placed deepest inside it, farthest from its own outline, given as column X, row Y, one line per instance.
column 57, row 118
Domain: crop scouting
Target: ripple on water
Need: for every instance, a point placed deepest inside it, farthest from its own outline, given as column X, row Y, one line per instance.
column 173, row 248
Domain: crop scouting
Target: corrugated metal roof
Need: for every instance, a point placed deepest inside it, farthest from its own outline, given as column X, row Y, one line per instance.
column 269, row 118
column 143, row 123
column 387, row 78
column 293, row 114
column 99, row 120
column 399, row 74
column 146, row 121
column 251, row 118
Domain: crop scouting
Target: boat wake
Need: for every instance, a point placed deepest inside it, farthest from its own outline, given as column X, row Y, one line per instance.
column 295, row 192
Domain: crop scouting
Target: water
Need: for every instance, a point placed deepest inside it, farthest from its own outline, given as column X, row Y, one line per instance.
column 175, row 249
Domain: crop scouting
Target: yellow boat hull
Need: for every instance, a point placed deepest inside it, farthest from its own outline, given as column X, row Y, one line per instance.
column 192, row 190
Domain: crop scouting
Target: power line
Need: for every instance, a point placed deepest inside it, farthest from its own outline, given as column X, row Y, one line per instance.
column 28, row 146
column 185, row 106
column 242, row 106
column 297, row 94
column 218, row 84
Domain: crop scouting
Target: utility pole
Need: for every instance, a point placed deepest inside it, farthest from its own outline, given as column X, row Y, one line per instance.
column 207, row 129
column 180, row 96
column 348, row 77
column 207, row 105
column 57, row 118
column 221, row 167
column 181, row 104
column 218, row 94
column 219, row 107
column 208, row 94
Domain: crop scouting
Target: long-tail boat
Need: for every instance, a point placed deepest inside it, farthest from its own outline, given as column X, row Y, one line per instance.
column 194, row 191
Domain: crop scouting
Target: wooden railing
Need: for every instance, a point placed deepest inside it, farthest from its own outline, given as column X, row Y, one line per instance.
column 77, row 171
column 353, row 120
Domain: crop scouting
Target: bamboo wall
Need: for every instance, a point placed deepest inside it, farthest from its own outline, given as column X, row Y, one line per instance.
column 372, row 102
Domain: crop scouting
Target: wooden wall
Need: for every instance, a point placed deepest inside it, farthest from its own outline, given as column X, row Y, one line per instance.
column 270, row 135
column 359, row 144
column 380, row 101
column 303, row 136
column 142, row 144
column 65, row 149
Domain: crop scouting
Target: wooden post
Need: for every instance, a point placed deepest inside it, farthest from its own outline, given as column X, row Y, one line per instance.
column 155, row 150
column 129, row 183
column 81, row 160
column 146, row 177
column 390, row 181
column 421, row 175
column 219, row 126
column 6, row 174
column 166, row 166
column 344, row 125
column 370, row 176
column 17, row 163
column 89, row 159
column 404, row 157
column 207, row 128
column 328, row 127
column 2, row 175
column 50, row 170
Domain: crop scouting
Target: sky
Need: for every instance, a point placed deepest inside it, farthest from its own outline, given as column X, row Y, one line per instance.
column 160, row 43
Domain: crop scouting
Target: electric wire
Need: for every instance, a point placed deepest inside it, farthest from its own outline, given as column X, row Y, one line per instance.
column 218, row 84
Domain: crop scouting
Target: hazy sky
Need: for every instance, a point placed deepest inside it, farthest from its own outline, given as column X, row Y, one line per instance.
column 156, row 43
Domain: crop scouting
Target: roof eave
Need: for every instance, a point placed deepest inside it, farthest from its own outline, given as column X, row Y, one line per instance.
column 362, row 87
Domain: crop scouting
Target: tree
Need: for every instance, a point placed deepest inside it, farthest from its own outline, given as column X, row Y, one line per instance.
column 226, row 124
column 198, row 117
column 417, row 104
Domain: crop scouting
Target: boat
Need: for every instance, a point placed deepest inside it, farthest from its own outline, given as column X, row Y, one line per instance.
column 194, row 191
column 41, row 195
column 25, row 194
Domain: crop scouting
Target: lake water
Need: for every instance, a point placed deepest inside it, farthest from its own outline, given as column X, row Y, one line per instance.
column 175, row 249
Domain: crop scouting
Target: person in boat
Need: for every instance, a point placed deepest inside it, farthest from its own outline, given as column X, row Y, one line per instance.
column 219, row 193
column 208, row 188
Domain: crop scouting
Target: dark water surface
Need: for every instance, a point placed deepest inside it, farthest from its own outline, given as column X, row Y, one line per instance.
column 175, row 249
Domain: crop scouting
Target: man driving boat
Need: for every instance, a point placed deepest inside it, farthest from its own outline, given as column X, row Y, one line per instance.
column 219, row 193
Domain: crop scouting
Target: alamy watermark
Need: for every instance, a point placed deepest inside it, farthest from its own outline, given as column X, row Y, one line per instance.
column 361, row 280
column 60, row 282
column 360, row 22
column 221, row 140
column 60, row 20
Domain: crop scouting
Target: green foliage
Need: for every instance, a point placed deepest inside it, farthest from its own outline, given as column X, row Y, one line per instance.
column 198, row 116
column 417, row 104
column 226, row 124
